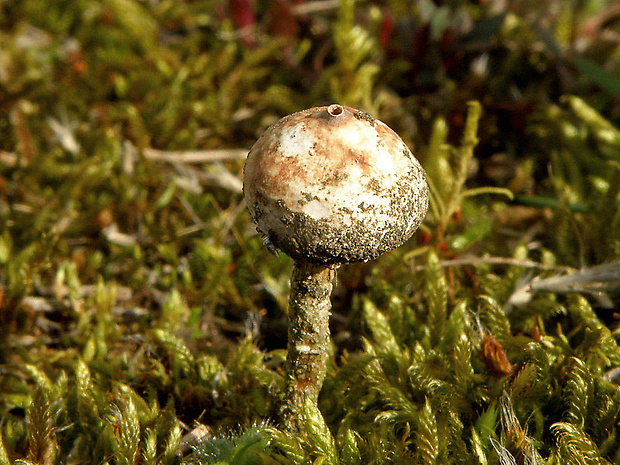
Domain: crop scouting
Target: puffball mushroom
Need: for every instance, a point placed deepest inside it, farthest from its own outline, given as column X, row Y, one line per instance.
column 328, row 185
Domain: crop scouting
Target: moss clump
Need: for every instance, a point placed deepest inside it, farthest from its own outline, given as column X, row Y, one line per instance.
column 136, row 303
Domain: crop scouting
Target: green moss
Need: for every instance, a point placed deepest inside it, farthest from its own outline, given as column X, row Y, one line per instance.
column 136, row 302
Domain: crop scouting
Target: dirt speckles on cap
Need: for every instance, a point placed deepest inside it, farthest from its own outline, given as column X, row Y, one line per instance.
column 332, row 185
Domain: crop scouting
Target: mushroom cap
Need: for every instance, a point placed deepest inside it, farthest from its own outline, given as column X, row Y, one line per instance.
column 334, row 185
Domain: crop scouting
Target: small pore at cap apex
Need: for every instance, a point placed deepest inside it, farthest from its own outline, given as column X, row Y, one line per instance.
column 335, row 110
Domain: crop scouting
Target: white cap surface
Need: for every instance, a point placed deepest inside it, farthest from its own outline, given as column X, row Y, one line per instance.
column 334, row 185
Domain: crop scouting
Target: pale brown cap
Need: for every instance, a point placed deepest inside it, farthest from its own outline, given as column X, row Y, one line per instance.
column 334, row 185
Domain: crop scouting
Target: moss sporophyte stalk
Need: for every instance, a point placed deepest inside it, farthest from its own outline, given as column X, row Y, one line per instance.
column 327, row 186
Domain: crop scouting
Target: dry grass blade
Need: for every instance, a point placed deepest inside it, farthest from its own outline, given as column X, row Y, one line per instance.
column 195, row 156
column 601, row 278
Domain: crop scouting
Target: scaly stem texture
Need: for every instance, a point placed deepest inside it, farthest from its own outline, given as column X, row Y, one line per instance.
column 308, row 337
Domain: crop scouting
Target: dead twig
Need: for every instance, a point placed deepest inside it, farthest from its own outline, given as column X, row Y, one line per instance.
column 318, row 6
column 499, row 261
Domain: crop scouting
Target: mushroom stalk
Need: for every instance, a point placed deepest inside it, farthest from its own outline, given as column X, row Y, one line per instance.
column 308, row 338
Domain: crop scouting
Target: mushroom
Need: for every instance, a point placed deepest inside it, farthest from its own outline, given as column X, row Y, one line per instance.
column 328, row 185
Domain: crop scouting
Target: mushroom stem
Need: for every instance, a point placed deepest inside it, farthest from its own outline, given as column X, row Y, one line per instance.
column 308, row 338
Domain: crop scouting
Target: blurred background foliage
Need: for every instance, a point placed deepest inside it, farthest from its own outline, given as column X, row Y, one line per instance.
column 142, row 319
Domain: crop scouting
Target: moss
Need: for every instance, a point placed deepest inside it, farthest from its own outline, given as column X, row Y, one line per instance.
column 136, row 301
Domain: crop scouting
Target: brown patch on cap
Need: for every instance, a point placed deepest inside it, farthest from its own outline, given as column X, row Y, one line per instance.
column 332, row 185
